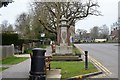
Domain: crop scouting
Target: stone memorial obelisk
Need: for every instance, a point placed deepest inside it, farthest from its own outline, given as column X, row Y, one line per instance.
column 63, row 47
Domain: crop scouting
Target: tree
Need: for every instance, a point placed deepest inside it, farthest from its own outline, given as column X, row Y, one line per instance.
column 104, row 31
column 10, row 28
column 100, row 32
column 6, row 26
column 115, row 24
column 28, row 26
column 5, row 3
column 81, row 33
column 51, row 13
column 94, row 32
column 36, row 27
column 23, row 26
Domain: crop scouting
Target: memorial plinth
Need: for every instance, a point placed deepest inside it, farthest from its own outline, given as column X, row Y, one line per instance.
column 61, row 50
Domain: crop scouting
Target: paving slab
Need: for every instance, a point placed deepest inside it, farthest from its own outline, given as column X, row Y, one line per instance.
column 54, row 74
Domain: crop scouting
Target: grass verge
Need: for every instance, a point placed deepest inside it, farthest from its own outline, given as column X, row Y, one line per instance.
column 12, row 60
column 76, row 51
column 73, row 68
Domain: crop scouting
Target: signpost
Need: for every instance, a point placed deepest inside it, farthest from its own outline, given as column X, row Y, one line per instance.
column 42, row 36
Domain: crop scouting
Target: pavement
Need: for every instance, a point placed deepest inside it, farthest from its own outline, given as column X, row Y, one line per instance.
column 21, row 70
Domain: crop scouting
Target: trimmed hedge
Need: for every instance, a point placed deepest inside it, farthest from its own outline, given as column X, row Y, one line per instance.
column 9, row 38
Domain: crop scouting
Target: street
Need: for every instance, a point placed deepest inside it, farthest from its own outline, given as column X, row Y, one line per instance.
column 106, row 54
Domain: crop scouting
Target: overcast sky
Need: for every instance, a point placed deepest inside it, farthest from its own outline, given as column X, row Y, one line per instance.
column 109, row 9
column 13, row 10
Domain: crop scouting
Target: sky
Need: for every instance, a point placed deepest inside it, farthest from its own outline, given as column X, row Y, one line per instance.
column 13, row 9
column 108, row 8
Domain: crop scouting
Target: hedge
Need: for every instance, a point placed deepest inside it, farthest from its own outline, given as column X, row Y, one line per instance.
column 9, row 38
column 12, row 38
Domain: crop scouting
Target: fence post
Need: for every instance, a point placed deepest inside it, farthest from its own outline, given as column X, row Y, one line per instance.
column 13, row 49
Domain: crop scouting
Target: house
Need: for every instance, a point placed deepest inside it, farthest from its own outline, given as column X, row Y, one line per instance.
column 115, row 34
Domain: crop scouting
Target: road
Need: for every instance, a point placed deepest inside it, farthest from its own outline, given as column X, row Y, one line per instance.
column 106, row 54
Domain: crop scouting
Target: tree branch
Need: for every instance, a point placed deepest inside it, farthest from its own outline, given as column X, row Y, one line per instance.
column 45, row 26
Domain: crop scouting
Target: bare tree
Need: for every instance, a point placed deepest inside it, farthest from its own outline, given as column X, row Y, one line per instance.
column 81, row 33
column 10, row 28
column 94, row 32
column 50, row 13
column 5, row 26
column 104, row 31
